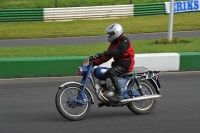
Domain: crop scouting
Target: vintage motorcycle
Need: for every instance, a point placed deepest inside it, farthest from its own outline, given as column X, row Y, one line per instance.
column 140, row 89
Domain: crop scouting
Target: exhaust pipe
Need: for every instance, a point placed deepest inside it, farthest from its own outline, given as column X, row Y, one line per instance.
column 141, row 98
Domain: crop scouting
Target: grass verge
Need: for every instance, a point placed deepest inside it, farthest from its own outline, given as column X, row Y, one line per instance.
column 131, row 25
column 147, row 46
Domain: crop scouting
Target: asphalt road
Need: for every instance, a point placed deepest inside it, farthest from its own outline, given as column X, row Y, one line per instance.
column 91, row 39
column 28, row 106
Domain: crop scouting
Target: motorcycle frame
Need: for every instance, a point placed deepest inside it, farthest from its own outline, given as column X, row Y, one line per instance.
column 133, row 79
column 90, row 76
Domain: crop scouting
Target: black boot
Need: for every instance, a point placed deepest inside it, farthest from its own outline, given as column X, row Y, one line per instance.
column 118, row 95
column 116, row 98
column 113, row 74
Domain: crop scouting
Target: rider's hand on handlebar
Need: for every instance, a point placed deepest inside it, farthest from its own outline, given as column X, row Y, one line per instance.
column 99, row 55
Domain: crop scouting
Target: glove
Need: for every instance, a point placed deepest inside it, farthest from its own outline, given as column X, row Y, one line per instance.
column 99, row 55
column 104, row 53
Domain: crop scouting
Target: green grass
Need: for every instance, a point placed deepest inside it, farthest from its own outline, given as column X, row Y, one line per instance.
column 131, row 25
column 140, row 47
column 8, row 4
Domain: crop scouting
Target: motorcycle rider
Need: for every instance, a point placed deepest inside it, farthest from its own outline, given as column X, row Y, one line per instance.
column 122, row 52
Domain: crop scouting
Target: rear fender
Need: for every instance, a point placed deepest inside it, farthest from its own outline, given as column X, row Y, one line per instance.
column 66, row 83
column 153, row 82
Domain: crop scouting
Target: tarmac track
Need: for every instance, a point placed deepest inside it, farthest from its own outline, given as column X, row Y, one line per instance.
column 91, row 39
column 28, row 106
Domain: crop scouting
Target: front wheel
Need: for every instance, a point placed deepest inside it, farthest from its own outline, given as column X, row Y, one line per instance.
column 68, row 105
column 146, row 106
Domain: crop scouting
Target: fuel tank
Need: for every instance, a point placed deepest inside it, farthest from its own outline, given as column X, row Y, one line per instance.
column 99, row 72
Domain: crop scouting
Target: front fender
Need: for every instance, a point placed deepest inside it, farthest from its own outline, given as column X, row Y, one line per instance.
column 66, row 83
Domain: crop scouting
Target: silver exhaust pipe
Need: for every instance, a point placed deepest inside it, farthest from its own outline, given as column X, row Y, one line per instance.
column 141, row 98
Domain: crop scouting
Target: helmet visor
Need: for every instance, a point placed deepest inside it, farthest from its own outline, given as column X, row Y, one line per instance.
column 111, row 34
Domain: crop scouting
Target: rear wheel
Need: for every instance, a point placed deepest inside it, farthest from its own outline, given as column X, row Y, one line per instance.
column 68, row 105
column 146, row 106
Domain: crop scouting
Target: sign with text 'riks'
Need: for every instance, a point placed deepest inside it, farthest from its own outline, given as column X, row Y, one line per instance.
column 183, row 6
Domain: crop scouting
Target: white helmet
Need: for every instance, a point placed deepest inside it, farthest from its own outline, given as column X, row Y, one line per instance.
column 115, row 30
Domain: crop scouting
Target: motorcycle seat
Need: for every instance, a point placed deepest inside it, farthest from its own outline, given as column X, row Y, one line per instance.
column 136, row 70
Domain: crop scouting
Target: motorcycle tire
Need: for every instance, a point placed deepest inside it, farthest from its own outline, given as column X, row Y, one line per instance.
column 138, row 107
column 68, row 107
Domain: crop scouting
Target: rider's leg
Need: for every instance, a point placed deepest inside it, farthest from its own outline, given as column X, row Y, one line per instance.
column 112, row 73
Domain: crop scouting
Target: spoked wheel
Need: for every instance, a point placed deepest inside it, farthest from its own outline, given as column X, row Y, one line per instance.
column 146, row 106
column 68, row 102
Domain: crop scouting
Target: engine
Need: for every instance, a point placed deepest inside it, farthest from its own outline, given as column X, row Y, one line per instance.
column 107, row 88
column 108, row 94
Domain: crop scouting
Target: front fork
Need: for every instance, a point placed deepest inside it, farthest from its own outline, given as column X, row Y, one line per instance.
column 84, row 85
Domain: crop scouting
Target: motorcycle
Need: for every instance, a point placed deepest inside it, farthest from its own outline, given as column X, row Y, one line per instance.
column 140, row 89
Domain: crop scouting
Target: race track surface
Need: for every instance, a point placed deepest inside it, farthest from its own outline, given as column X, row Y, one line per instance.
column 91, row 39
column 28, row 106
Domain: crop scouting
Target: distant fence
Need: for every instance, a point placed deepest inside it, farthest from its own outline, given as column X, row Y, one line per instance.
column 77, row 13
column 16, row 15
column 149, row 9
column 92, row 12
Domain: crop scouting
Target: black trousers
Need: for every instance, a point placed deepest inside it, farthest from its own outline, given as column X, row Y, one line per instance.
column 115, row 72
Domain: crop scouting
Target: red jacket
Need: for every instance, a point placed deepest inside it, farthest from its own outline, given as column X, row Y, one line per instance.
column 122, row 52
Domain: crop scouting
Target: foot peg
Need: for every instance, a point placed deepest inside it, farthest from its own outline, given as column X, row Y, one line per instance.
column 101, row 105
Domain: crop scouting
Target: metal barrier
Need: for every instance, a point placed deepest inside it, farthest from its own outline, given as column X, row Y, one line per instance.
column 67, row 65
column 92, row 12
column 16, row 15
column 149, row 9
